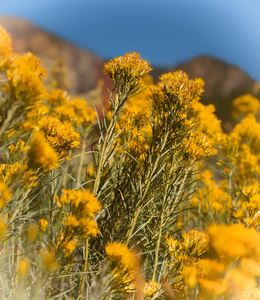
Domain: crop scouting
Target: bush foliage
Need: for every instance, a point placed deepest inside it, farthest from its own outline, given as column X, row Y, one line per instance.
column 147, row 200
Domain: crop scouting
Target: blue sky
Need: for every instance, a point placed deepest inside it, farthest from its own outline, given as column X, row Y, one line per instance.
column 165, row 32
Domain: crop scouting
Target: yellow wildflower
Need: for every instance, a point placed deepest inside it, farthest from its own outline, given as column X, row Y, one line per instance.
column 127, row 70
column 18, row 173
column 61, row 137
column 41, row 154
column 83, row 203
column 206, row 121
column 247, row 132
column 57, row 97
column 3, row 227
column 120, row 255
column 43, row 225
column 198, row 146
column 26, row 78
column 49, row 260
column 32, row 232
column 244, row 105
column 150, row 288
column 5, row 194
column 5, row 49
column 69, row 246
column 180, row 88
column 233, row 241
column 71, row 222
column 23, row 268
column 172, row 244
column 77, row 112
column 195, row 242
column 212, row 288
column 88, row 227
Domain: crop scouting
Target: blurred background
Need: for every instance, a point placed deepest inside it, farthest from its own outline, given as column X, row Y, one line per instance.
column 217, row 40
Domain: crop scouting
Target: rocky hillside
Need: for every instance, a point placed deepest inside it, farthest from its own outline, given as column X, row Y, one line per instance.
column 85, row 68
column 223, row 82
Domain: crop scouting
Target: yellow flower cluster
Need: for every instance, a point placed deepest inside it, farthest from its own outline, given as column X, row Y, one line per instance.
column 84, row 206
column 185, row 253
column 149, row 148
column 194, row 243
column 212, row 199
column 5, row 49
column 5, row 194
column 244, row 105
column 23, row 268
column 67, row 242
column 49, row 260
column 25, row 78
column 248, row 211
column 127, row 70
column 150, row 288
column 206, row 121
column 18, row 173
column 61, row 136
column 121, row 257
column 56, row 98
column 43, row 225
column 197, row 146
column 245, row 138
column 232, row 266
column 171, row 100
column 41, row 154
column 182, row 90
column 76, row 112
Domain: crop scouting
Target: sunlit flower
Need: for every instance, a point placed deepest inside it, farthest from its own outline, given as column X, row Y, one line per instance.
column 5, row 49
column 49, row 260
column 23, row 268
column 150, row 287
column 41, row 154
column 26, row 78
column 127, row 70
column 76, row 112
column 5, row 194
column 120, row 255
column 61, row 136
column 244, row 105
column 180, row 88
column 43, row 225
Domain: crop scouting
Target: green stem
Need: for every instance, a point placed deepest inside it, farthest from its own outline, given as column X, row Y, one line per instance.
column 81, row 160
column 82, row 284
column 147, row 186
column 160, row 233
column 107, row 141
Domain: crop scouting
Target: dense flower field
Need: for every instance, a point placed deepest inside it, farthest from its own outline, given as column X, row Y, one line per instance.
column 148, row 199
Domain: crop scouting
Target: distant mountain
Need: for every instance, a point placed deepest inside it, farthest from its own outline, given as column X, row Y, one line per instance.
column 85, row 68
column 223, row 82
